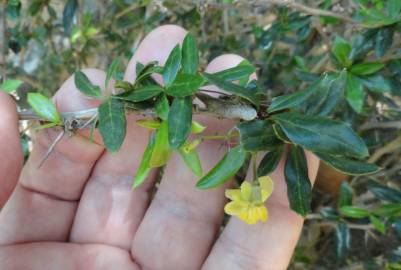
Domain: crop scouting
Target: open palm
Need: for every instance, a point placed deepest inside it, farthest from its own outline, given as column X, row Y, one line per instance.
column 78, row 211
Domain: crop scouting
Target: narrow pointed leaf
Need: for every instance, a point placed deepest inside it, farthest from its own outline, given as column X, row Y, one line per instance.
column 320, row 134
column 377, row 224
column 44, row 107
column 258, row 135
column 299, row 188
column 366, row 68
column 85, row 86
column 341, row 50
column 111, row 71
column 112, row 123
column 270, row 161
column 346, row 195
column 162, row 151
column 233, row 88
column 142, row 94
column 70, row 8
column 162, row 107
column 172, row 66
column 353, row 212
column 384, row 193
column 185, row 85
column 328, row 91
column 144, row 167
column 236, row 73
column 343, row 240
column 179, row 121
column 10, row 85
column 384, row 40
column 190, row 55
column 193, row 162
column 347, row 165
column 227, row 167
column 354, row 93
column 289, row 101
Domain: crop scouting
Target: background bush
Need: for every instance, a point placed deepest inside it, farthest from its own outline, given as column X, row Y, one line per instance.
column 356, row 222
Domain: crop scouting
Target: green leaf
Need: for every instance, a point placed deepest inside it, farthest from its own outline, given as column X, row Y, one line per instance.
column 270, row 161
column 85, row 86
column 329, row 213
column 227, row 167
column 384, row 193
column 346, row 195
column 388, row 210
column 68, row 14
column 144, row 167
column 354, row 93
column 257, row 135
column 10, row 85
column 393, row 8
column 111, row 71
column 343, row 240
column 328, row 91
column 190, row 55
column 144, row 72
column 162, row 151
column 112, row 123
column 179, row 121
column 192, row 160
column 377, row 83
column 289, row 101
column 197, row 128
column 280, row 133
column 377, row 224
column 162, row 107
column 172, row 66
column 233, row 88
column 384, row 40
column 239, row 72
column 354, row 212
column 366, row 68
column 341, row 50
column 148, row 123
column 348, row 166
column 185, row 85
column 299, row 188
column 320, row 134
column 44, row 107
column 142, row 94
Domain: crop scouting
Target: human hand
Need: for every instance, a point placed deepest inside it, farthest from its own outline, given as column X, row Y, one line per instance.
column 78, row 211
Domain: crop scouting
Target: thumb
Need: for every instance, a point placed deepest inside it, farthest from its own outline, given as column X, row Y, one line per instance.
column 10, row 148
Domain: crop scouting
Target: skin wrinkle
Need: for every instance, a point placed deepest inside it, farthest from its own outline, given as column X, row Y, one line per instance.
column 29, row 175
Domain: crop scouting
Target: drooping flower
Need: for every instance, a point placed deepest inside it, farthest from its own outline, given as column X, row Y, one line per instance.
column 247, row 202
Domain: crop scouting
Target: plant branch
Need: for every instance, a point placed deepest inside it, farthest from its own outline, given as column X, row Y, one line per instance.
column 212, row 106
column 309, row 10
column 388, row 148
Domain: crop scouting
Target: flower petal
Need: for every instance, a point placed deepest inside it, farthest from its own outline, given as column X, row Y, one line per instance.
column 266, row 185
column 233, row 194
column 246, row 191
column 236, row 208
column 262, row 213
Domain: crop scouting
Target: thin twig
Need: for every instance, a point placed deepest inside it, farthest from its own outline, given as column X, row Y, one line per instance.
column 381, row 125
column 51, row 148
column 292, row 4
column 388, row 148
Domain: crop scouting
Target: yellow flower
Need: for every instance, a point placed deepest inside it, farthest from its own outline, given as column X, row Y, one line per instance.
column 247, row 202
